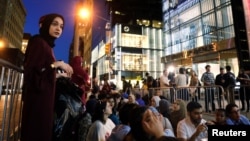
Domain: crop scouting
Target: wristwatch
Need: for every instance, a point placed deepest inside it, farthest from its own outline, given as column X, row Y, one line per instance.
column 52, row 66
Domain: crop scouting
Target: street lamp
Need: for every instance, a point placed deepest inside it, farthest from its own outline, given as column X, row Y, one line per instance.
column 82, row 15
column 2, row 44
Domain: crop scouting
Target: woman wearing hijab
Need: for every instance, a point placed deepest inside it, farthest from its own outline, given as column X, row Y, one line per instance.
column 164, row 108
column 178, row 113
column 155, row 100
column 80, row 76
column 40, row 79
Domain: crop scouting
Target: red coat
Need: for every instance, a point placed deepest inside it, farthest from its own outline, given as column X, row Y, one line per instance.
column 80, row 76
column 39, row 91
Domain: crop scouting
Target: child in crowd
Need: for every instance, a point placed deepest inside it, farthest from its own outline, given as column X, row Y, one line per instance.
column 220, row 117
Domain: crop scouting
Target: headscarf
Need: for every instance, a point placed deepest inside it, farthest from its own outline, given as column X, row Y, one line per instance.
column 80, row 76
column 164, row 108
column 178, row 115
column 45, row 22
column 157, row 100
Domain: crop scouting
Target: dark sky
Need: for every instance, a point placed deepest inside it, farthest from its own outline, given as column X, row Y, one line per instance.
column 36, row 8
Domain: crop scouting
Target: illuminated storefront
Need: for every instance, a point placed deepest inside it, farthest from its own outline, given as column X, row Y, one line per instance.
column 199, row 32
column 135, row 50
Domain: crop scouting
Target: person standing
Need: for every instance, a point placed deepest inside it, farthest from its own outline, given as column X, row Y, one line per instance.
column 181, row 83
column 40, row 79
column 230, row 83
column 194, row 82
column 80, row 77
column 208, row 80
column 244, row 80
column 164, row 84
column 220, row 81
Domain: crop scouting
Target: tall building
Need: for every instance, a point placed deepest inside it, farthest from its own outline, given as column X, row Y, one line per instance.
column 133, row 44
column 200, row 32
column 11, row 28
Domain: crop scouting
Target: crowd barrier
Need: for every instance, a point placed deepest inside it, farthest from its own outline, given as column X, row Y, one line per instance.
column 210, row 97
column 11, row 78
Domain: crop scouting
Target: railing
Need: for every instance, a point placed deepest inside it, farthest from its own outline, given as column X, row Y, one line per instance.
column 210, row 97
column 11, row 78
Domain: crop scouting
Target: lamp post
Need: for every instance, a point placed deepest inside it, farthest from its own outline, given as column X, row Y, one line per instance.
column 80, row 19
column 2, row 44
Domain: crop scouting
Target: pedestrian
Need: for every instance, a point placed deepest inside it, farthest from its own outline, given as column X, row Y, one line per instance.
column 230, row 82
column 244, row 80
column 40, row 79
column 208, row 80
column 220, row 81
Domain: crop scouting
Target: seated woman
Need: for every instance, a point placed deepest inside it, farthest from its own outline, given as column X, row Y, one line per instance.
column 140, row 120
column 102, row 126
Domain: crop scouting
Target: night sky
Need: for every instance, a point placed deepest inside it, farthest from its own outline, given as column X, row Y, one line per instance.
column 36, row 8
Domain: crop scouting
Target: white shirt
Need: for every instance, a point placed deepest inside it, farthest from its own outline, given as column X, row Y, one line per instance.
column 164, row 81
column 185, row 129
column 99, row 131
column 181, row 80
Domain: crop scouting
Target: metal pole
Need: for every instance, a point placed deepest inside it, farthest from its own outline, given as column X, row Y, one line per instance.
column 76, row 39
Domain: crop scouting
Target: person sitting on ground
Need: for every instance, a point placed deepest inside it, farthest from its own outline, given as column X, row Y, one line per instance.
column 131, row 99
column 113, row 116
column 234, row 117
column 101, row 126
column 193, row 127
column 139, row 99
column 139, row 130
column 167, row 126
column 178, row 113
column 220, row 118
column 121, row 130
column 155, row 101
column 164, row 108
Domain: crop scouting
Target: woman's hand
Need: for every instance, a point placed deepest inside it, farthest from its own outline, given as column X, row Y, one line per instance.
column 152, row 124
column 64, row 66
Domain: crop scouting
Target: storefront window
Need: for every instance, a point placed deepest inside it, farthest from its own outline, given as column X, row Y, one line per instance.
column 222, row 20
column 207, row 5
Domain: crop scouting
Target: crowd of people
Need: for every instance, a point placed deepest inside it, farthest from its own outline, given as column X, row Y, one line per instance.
column 56, row 106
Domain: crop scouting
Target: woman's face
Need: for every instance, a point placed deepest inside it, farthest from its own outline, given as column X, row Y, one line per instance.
column 176, row 106
column 56, row 27
column 108, row 109
column 153, row 102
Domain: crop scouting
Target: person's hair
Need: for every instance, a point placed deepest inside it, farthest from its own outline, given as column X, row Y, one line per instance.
column 221, row 68
column 92, row 96
column 229, row 108
column 221, row 110
column 193, row 105
column 228, row 68
column 102, row 96
column 124, row 112
column 99, row 111
column 135, row 122
column 181, row 70
column 207, row 66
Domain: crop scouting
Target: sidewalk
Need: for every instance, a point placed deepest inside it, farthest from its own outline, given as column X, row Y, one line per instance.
column 211, row 116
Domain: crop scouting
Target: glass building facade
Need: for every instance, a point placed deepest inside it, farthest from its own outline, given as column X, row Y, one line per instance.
column 135, row 51
column 199, row 32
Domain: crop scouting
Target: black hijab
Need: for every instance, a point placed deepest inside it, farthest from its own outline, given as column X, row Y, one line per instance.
column 45, row 22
